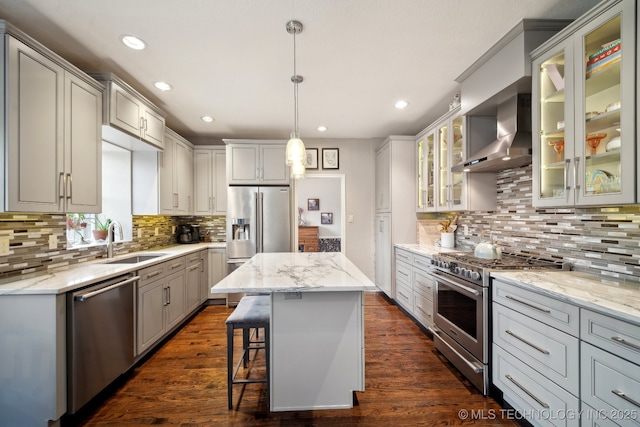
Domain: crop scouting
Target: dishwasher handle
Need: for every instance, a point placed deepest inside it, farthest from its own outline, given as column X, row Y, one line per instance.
column 91, row 294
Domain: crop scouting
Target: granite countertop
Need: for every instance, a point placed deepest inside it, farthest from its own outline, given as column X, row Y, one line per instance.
column 427, row 250
column 69, row 278
column 295, row 272
column 609, row 296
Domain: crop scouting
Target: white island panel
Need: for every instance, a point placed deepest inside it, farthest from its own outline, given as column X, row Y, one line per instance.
column 317, row 348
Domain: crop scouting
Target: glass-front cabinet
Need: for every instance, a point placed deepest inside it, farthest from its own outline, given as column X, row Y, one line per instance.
column 438, row 148
column 425, row 157
column 584, row 82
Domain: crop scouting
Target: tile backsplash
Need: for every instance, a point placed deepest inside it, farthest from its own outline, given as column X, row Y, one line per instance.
column 29, row 237
column 598, row 240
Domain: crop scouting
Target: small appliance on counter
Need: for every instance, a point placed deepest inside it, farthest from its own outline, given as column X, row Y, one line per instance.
column 188, row 233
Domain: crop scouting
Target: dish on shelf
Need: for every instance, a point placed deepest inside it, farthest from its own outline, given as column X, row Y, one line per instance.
column 613, row 106
column 591, row 115
column 613, row 144
column 560, row 125
column 598, row 181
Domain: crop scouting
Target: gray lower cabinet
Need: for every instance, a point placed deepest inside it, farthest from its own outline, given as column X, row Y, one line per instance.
column 414, row 285
column 161, row 301
column 193, row 281
column 563, row 364
column 534, row 363
column 610, row 369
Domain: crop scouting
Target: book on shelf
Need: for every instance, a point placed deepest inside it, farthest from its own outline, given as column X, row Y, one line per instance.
column 555, row 76
column 594, row 68
column 605, row 48
column 614, row 50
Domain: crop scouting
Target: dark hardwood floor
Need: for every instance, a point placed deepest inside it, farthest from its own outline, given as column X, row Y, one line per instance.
column 408, row 383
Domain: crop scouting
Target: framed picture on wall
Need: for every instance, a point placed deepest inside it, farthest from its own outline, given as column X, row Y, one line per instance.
column 313, row 204
column 330, row 158
column 311, row 158
column 326, row 218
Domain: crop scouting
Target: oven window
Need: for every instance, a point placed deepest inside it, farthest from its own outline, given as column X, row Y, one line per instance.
column 457, row 308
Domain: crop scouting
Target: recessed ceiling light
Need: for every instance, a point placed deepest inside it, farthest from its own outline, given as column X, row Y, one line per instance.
column 322, row 128
column 162, row 85
column 401, row 104
column 207, row 119
column 133, row 42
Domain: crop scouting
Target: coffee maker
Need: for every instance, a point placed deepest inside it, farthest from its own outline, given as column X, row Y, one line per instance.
column 188, row 233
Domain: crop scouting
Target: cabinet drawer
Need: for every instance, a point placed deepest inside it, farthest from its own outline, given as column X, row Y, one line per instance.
column 548, row 351
column 192, row 259
column 151, row 274
column 404, row 295
column 176, row 264
column 403, row 255
column 611, row 334
column 547, row 310
column 423, row 308
column 421, row 261
column 403, row 272
column 532, row 393
column 423, row 283
column 611, row 384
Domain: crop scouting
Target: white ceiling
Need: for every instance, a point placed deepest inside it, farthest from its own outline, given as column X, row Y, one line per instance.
column 233, row 59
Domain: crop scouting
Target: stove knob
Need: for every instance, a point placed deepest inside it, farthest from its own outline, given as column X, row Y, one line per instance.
column 458, row 269
column 475, row 275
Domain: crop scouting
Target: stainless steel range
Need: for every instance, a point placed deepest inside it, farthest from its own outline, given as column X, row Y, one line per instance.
column 462, row 304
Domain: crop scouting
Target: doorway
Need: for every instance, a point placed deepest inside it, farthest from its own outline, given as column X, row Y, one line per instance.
column 319, row 201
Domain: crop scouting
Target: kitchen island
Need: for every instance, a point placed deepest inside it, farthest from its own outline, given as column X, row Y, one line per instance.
column 317, row 326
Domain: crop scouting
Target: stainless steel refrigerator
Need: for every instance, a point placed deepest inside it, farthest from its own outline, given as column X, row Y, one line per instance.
column 258, row 220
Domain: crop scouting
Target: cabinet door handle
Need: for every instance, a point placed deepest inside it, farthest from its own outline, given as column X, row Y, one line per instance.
column 544, row 310
column 625, row 342
column 61, row 188
column 567, row 163
column 69, row 186
column 625, row 397
column 166, row 299
column 531, row 395
column 168, row 295
column 176, row 265
column 530, row 344
column 575, row 174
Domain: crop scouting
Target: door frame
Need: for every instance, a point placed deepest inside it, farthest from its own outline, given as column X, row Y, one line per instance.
column 343, row 210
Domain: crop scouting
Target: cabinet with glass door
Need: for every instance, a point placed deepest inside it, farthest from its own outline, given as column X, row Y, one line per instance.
column 425, row 156
column 585, row 90
column 451, row 151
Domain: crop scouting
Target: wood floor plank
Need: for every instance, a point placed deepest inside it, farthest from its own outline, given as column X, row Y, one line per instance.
column 408, row 383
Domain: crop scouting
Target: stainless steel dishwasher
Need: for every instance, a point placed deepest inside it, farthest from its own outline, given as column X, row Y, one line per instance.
column 100, row 337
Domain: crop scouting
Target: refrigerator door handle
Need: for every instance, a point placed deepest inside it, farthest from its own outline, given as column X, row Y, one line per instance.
column 260, row 231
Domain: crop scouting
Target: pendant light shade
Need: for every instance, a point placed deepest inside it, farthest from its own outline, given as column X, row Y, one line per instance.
column 297, row 170
column 295, row 152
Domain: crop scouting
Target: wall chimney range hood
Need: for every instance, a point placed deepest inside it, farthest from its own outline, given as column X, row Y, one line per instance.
column 513, row 146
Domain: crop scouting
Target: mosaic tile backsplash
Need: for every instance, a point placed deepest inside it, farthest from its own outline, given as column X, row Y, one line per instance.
column 29, row 239
column 603, row 240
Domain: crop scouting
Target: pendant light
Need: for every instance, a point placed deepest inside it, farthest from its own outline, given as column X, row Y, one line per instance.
column 295, row 147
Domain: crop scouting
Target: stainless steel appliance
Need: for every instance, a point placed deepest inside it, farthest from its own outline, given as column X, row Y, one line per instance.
column 462, row 304
column 258, row 220
column 100, row 340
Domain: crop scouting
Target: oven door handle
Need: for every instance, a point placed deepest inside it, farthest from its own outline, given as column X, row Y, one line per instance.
column 457, row 285
column 476, row 369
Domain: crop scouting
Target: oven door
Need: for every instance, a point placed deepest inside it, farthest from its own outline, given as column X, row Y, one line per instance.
column 460, row 312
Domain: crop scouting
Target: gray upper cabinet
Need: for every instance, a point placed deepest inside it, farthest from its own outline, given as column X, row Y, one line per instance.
column 256, row 162
column 584, row 110
column 129, row 111
column 52, row 116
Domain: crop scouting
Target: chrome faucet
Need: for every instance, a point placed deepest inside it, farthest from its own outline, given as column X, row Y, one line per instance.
column 110, row 239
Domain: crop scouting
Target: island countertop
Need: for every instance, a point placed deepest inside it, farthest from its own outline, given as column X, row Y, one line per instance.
column 296, row 272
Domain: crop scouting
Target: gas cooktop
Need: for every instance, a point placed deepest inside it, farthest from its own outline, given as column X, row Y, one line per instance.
column 466, row 266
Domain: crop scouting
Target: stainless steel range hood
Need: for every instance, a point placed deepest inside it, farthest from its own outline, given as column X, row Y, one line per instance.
column 512, row 148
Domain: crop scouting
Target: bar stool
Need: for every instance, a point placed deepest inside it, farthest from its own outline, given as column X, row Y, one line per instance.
column 251, row 314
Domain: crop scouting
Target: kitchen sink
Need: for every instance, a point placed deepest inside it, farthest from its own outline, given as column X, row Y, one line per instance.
column 135, row 259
